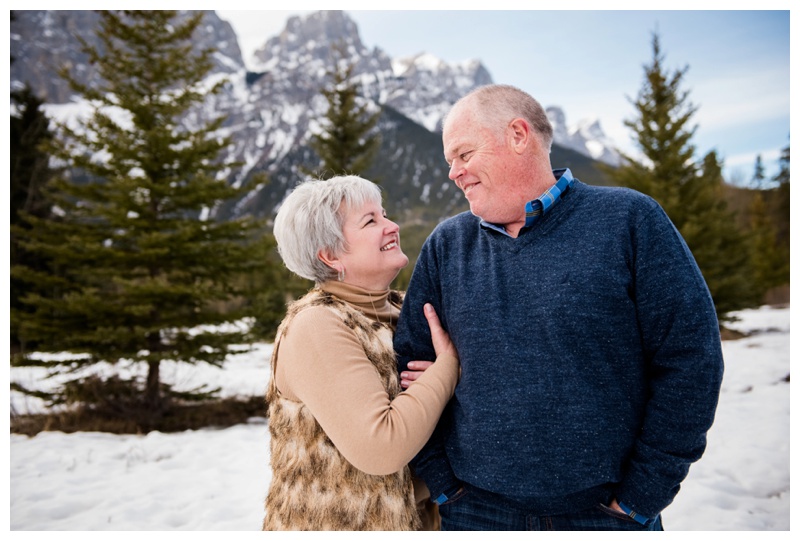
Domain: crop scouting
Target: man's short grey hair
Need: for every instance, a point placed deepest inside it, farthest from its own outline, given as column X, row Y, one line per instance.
column 497, row 105
column 311, row 219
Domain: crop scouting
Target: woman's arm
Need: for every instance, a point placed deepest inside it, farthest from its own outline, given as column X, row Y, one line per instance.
column 322, row 364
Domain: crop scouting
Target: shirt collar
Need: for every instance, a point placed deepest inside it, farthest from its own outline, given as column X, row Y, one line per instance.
column 538, row 207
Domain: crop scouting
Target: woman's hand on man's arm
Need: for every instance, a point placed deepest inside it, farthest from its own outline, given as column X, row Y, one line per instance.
column 441, row 344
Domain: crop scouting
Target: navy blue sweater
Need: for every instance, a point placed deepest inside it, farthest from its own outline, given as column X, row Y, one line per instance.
column 590, row 352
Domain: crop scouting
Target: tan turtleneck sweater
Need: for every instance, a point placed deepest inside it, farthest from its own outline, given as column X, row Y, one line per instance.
column 322, row 364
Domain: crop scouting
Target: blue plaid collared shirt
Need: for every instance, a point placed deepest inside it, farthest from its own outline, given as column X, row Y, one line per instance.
column 538, row 207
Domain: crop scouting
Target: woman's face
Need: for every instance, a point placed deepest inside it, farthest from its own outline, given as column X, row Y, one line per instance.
column 372, row 256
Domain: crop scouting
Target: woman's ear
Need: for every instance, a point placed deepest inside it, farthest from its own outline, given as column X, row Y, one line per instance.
column 329, row 258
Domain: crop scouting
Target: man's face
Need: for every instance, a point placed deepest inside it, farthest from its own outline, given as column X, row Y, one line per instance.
column 481, row 162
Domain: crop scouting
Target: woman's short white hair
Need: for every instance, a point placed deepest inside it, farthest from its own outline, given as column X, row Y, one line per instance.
column 311, row 219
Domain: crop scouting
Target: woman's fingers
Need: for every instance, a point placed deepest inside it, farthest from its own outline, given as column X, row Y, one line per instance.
column 415, row 370
column 441, row 340
column 441, row 344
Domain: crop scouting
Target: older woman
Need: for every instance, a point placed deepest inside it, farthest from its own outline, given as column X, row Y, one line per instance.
column 342, row 432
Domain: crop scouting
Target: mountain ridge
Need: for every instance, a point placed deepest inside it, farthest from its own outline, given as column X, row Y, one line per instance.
column 272, row 111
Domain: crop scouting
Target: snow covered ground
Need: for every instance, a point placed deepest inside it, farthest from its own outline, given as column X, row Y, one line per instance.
column 216, row 479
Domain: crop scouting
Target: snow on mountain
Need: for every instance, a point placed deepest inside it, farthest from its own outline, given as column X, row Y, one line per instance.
column 273, row 111
column 586, row 137
column 424, row 87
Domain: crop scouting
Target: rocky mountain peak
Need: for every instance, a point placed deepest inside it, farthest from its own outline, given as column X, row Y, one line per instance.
column 271, row 113
column 312, row 36
column 586, row 136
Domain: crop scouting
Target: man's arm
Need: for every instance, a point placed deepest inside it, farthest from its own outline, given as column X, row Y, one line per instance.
column 412, row 342
column 680, row 335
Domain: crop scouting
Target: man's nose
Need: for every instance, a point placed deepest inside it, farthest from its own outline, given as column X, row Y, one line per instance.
column 456, row 170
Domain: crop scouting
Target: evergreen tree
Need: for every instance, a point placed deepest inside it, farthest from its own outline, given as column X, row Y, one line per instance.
column 783, row 163
column 138, row 271
column 269, row 303
column 768, row 221
column 758, row 173
column 689, row 192
column 30, row 169
column 783, row 205
column 29, row 176
column 346, row 144
column 769, row 215
column 766, row 257
column 663, row 136
column 717, row 243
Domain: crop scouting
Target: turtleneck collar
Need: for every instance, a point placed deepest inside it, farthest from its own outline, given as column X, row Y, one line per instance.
column 374, row 304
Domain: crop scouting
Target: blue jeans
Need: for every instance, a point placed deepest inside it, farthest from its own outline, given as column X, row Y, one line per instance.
column 475, row 509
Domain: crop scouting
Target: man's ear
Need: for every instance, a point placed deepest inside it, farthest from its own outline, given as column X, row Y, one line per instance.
column 520, row 134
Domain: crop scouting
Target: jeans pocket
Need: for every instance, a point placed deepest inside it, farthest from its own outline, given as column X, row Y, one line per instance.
column 614, row 513
column 460, row 493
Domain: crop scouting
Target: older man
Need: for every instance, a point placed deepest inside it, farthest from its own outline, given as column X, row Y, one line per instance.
column 589, row 345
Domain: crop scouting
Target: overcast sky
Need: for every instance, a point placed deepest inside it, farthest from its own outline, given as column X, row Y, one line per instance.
column 591, row 62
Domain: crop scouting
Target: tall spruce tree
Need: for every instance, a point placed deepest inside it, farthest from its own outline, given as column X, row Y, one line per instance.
column 30, row 167
column 769, row 224
column 690, row 192
column 138, row 271
column 29, row 177
column 783, row 166
column 347, row 143
column 719, row 246
column 758, row 173
column 766, row 257
column 782, row 213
